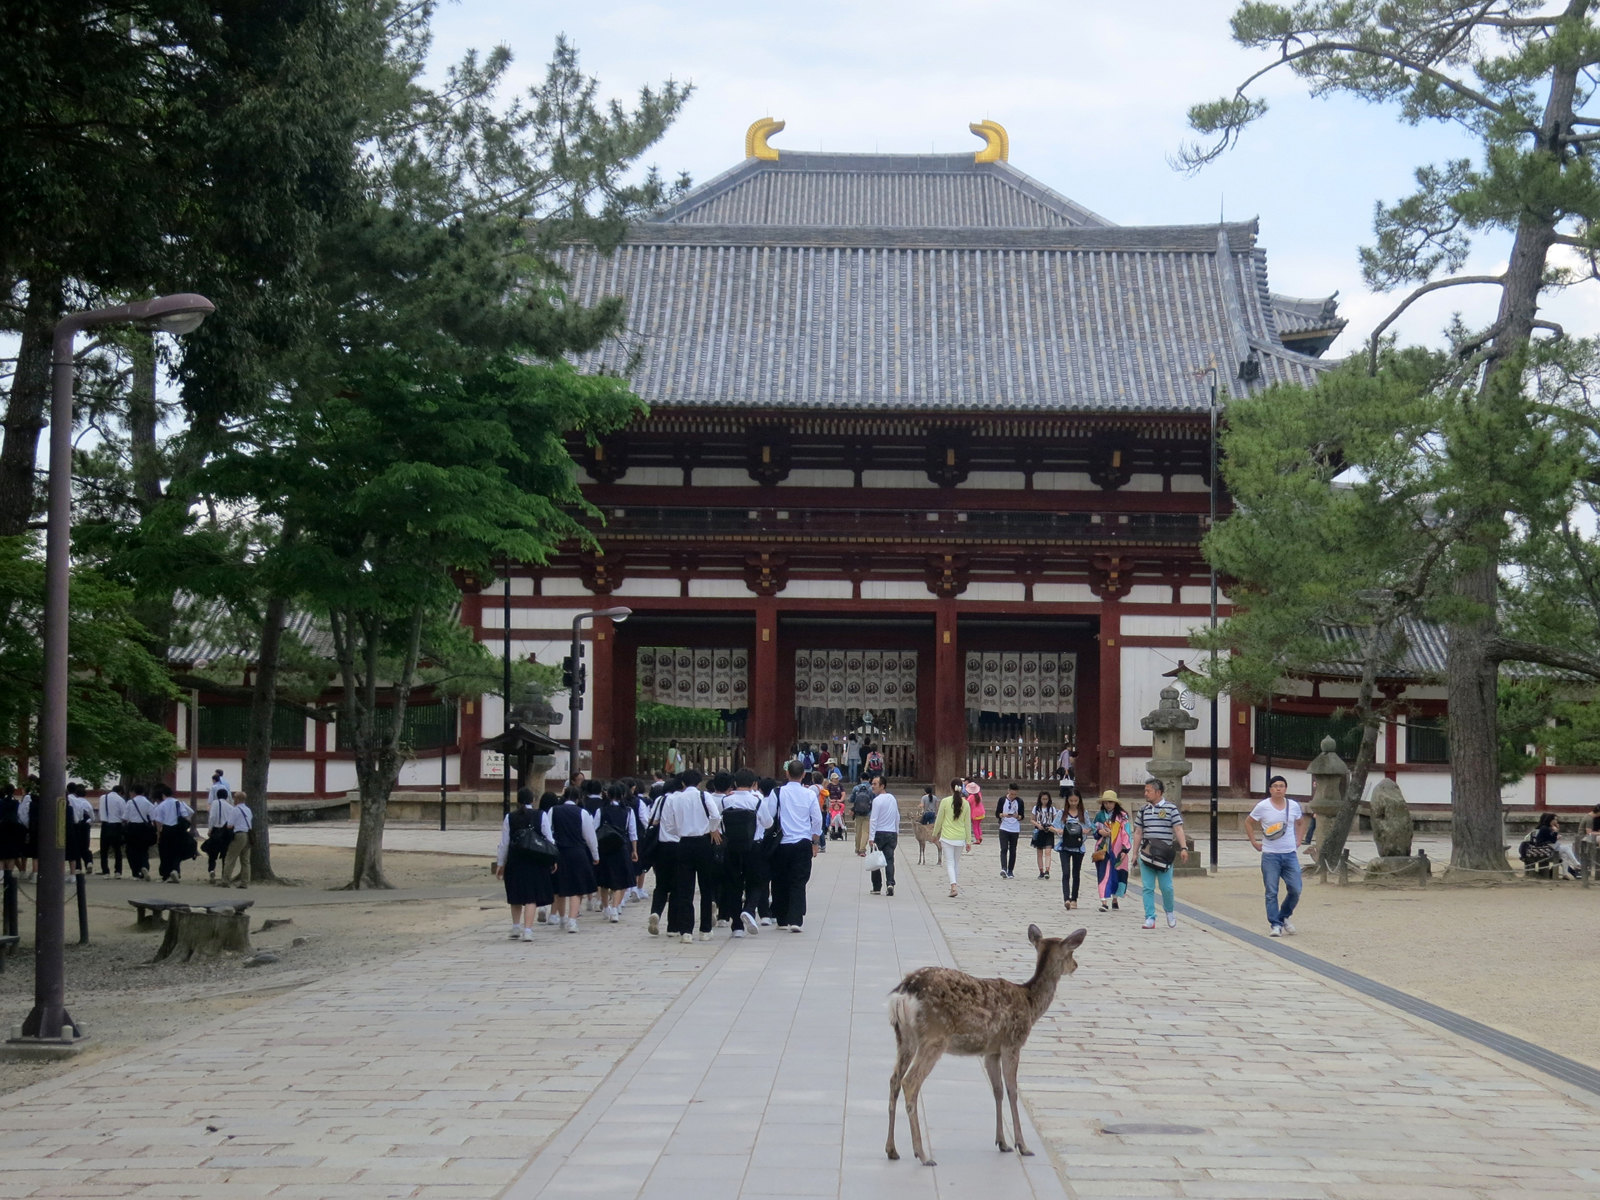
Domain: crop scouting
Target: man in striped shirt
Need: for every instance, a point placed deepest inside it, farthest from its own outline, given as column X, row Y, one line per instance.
column 1158, row 829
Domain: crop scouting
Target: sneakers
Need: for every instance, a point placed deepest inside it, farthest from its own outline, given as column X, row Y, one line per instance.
column 794, row 929
column 516, row 933
column 1277, row 931
column 1149, row 923
column 687, row 937
column 614, row 915
column 702, row 937
column 749, row 923
column 738, row 933
column 1172, row 920
column 655, row 923
column 1042, row 875
column 766, row 920
column 527, row 935
column 572, row 924
column 891, row 891
column 875, row 892
column 1288, row 928
column 541, row 914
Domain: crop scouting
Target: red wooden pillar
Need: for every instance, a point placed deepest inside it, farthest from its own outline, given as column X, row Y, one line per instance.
column 949, row 697
column 601, row 697
column 1110, row 752
column 1240, row 749
column 762, row 751
column 1391, row 745
column 624, row 698
column 472, row 709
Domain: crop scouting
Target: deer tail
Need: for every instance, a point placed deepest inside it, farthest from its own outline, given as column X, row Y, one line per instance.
column 902, row 1010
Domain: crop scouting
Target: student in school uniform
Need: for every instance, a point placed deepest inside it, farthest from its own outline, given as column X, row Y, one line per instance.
column 219, row 829
column 80, row 826
column 665, row 859
column 571, row 828
column 801, row 823
column 112, row 810
column 690, row 817
column 523, row 874
column 139, row 832
column 174, row 843
column 746, row 817
column 236, row 862
column 13, row 829
column 617, row 835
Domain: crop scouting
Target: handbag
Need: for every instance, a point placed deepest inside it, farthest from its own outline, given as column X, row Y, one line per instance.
column 1160, row 853
column 529, row 841
column 1099, row 854
column 876, row 860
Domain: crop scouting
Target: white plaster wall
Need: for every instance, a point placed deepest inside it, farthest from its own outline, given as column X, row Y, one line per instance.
column 1189, row 483
column 1140, row 482
column 1198, row 595
column 341, row 776
column 1522, row 792
column 644, row 587
column 1419, row 691
column 995, row 591
column 310, row 742
column 893, row 589
column 1063, row 593
column 896, row 479
column 295, row 775
column 420, row 772
column 1143, row 625
column 1142, row 681
column 1341, row 691
column 1565, row 789
column 830, row 478
column 1430, row 788
column 580, row 475
column 1299, row 781
column 652, row 477
column 1011, row 481
column 722, row 477
column 559, row 585
column 1148, row 593
column 1132, row 773
column 724, row 588
column 1062, row 481
column 818, row 589
column 534, row 618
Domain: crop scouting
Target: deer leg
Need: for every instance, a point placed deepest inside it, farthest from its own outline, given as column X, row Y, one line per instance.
column 991, row 1064
column 1010, row 1066
column 922, row 1062
column 902, row 1060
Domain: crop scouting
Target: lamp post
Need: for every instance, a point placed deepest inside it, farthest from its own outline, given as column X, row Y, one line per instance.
column 49, row 1026
column 194, row 739
column 505, row 691
column 575, row 694
column 1211, row 488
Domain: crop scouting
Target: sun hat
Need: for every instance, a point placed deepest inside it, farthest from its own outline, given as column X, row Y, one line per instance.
column 1108, row 794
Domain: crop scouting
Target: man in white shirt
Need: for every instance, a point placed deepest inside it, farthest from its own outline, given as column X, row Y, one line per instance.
column 138, row 832
column 173, row 841
column 80, row 823
column 1275, row 827
column 801, row 820
column 885, row 821
column 219, row 826
column 746, row 815
column 113, row 810
column 237, row 860
column 695, row 823
column 219, row 787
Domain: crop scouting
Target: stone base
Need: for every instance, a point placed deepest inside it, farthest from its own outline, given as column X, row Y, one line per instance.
column 21, row 1049
column 1396, row 872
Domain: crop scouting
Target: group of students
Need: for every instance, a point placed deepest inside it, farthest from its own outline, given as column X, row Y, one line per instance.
column 741, row 844
column 131, row 827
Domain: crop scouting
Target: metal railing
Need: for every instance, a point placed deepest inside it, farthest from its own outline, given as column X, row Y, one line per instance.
column 704, row 754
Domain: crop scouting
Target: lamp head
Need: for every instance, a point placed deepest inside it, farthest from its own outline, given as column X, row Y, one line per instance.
column 616, row 614
column 177, row 314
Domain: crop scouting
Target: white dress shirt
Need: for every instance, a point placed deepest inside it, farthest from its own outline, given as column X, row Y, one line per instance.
column 169, row 810
column 82, row 811
column 885, row 816
column 242, row 819
column 139, row 809
column 690, row 813
column 219, row 815
column 112, row 808
column 762, row 806
column 799, row 812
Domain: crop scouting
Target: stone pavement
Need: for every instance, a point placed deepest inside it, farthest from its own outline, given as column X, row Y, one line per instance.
column 480, row 1068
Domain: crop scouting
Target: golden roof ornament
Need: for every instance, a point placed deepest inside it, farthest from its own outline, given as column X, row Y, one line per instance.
column 997, row 144
column 755, row 139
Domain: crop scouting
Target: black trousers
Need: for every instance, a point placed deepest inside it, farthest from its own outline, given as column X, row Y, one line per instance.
column 885, row 842
column 791, row 871
column 1071, row 870
column 1008, row 851
column 696, row 867
column 136, row 837
column 111, row 842
column 170, row 844
column 666, row 868
column 743, row 882
column 217, row 849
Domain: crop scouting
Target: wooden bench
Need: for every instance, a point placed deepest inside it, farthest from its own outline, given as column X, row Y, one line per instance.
column 151, row 914
column 8, row 945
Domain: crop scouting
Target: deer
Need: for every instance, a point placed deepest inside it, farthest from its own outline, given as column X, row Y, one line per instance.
column 939, row 1010
column 928, row 834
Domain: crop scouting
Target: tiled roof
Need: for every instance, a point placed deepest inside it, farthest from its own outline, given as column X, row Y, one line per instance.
column 210, row 632
column 884, row 191
column 1422, row 652
column 1090, row 319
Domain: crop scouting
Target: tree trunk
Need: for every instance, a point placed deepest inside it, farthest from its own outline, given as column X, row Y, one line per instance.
column 258, row 737
column 207, row 932
column 375, row 786
column 25, row 409
column 1332, row 844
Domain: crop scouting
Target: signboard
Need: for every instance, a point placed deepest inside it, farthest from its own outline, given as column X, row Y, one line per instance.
column 494, row 765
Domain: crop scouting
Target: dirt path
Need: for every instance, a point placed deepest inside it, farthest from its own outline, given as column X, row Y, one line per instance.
column 125, row 1001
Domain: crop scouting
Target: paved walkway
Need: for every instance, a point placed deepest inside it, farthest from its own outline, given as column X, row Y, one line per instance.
column 614, row 1064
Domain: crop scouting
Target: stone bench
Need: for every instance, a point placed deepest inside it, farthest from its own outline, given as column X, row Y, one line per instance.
column 151, row 914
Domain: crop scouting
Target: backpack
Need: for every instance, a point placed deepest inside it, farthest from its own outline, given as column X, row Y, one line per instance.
column 861, row 800
column 1072, row 834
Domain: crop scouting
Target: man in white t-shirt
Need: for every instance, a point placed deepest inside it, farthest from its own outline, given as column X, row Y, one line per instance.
column 1275, row 827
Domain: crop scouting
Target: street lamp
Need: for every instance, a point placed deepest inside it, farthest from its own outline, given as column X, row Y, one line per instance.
column 200, row 664
column 1211, row 482
column 575, row 694
column 49, row 1026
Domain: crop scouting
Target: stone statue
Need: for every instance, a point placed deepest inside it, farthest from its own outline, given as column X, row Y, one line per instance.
column 1392, row 825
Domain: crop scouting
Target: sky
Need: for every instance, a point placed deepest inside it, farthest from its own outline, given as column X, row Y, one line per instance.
column 1092, row 92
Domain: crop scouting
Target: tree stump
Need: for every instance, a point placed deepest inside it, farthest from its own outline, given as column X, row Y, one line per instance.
column 206, row 932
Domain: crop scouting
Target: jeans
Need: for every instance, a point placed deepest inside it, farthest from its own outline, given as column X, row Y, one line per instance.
column 1008, row 851
column 1284, row 867
column 1149, row 877
column 885, row 842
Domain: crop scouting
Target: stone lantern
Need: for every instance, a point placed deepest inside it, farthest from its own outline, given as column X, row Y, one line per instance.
column 1169, row 726
column 1328, row 773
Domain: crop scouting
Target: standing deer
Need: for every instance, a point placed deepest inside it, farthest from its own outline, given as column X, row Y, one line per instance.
column 926, row 835
column 937, row 1009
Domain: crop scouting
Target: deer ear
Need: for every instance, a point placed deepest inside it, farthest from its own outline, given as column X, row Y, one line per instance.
column 1034, row 934
column 1075, row 938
